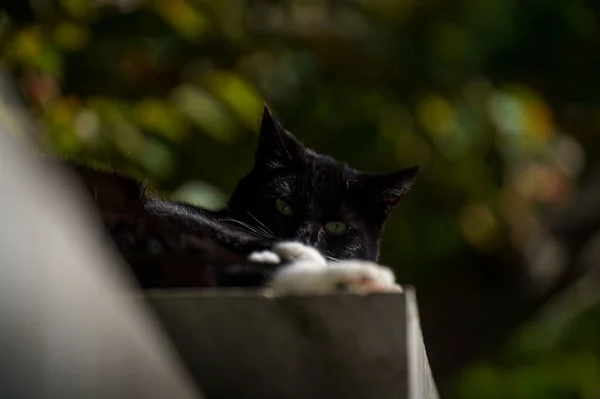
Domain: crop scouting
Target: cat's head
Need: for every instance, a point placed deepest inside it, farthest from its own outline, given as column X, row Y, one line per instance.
column 294, row 193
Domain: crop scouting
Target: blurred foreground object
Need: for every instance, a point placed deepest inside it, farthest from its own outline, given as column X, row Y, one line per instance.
column 69, row 324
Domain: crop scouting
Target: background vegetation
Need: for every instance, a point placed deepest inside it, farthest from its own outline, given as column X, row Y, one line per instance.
column 496, row 100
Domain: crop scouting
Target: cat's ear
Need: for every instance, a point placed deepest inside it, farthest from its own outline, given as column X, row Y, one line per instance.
column 386, row 189
column 111, row 190
column 276, row 146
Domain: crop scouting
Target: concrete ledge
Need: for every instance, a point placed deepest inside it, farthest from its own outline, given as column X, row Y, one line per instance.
column 240, row 345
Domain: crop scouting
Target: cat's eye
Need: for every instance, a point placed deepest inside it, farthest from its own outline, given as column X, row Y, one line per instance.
column 283, row 207
column 336, row 228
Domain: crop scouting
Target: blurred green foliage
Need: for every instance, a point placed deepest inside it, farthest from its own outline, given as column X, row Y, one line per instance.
column 496, row 100
column 545, row 360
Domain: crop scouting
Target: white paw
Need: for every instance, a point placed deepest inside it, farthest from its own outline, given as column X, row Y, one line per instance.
column 264, row 257
column 290, row 252
column 293, row 251
column 345, row 276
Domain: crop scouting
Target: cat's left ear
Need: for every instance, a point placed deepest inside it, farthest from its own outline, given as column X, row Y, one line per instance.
column 276, row 146
column 387, row 189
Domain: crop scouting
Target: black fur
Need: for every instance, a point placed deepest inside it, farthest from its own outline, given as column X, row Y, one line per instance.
column 170, row 244
column 319, row 190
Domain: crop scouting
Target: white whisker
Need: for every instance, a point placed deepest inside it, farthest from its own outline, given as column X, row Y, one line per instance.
column 266, row 229
column 248, row 227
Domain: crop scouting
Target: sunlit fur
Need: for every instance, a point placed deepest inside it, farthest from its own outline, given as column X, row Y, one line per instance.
column 319, row 190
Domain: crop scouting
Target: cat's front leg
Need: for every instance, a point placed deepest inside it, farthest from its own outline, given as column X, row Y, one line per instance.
column 289, row 252
column 352, row 276
column 307, row 272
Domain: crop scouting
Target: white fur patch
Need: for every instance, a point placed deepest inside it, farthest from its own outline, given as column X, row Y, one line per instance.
column 309, row 273
column 292, row 251
column 289, row 251
column 264, row 257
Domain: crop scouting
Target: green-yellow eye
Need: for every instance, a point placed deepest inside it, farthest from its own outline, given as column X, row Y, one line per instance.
column 283, row 207
column 336, row 228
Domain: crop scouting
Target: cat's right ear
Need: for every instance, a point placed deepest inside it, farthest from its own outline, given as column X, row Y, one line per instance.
column 385, row 190
column 276, row 146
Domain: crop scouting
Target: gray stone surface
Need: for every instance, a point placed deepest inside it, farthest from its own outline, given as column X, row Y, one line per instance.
column 245, row 346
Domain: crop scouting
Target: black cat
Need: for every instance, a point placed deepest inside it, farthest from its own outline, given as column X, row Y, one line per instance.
column 291, row 194
column 296, row 194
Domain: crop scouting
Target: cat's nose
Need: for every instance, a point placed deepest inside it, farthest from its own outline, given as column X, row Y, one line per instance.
column 308, row 236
